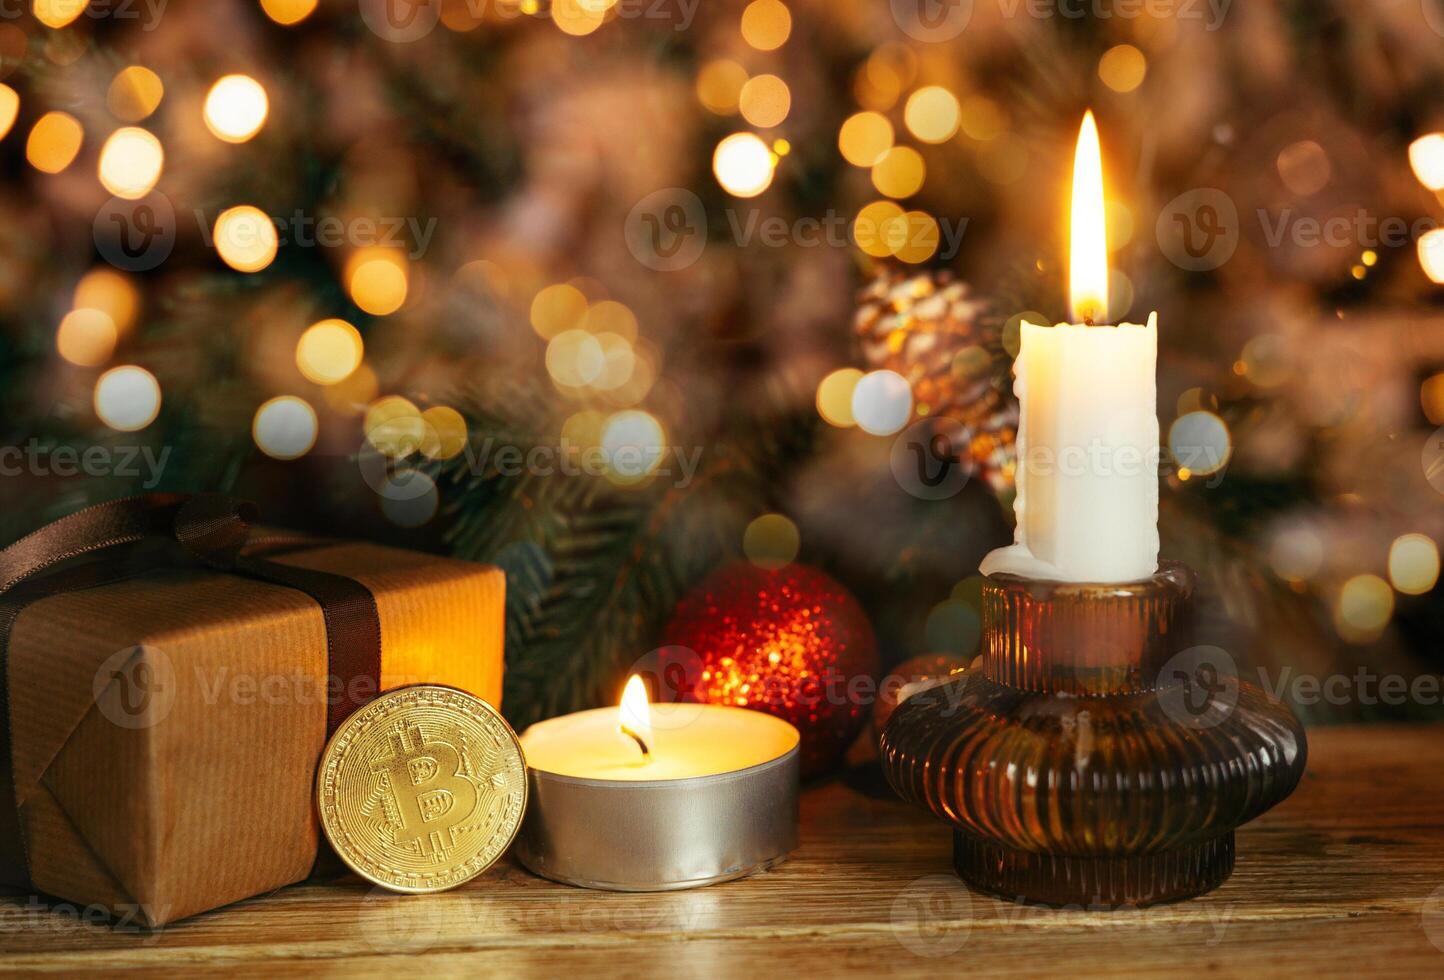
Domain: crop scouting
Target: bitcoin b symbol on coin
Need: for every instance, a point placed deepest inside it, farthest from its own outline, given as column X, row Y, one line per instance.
column 432, row 794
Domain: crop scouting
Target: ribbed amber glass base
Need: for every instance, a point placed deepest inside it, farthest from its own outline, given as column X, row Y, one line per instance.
column 1093, row 882
column 1084, row 763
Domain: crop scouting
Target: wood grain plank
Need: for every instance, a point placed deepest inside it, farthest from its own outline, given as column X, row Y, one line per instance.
column 1337, row 881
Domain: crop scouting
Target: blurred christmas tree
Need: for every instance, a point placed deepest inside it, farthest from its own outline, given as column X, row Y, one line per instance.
column 584, row 288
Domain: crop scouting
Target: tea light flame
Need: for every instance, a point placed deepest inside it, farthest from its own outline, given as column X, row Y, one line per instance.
column 636, row 715
column 1088, row 244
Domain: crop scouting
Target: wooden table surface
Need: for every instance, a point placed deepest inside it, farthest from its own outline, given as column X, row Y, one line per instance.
column 1345, row 878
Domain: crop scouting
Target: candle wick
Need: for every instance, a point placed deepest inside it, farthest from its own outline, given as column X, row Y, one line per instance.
column 646, row 752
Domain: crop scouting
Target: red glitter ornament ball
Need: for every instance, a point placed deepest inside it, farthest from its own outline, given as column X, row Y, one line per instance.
column 791, row 642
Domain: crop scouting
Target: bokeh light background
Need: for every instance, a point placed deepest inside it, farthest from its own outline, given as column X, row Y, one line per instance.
column 341, row 231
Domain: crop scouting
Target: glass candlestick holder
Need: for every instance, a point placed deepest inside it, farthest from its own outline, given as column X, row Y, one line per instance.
column 1096, row 757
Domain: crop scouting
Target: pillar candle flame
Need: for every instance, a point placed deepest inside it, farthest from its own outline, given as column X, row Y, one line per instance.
column 1088, row 238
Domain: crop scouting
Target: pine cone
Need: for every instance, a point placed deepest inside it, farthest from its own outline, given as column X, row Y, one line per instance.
column 932, row 329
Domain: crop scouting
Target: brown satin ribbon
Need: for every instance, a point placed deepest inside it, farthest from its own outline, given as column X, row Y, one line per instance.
column 210, row 527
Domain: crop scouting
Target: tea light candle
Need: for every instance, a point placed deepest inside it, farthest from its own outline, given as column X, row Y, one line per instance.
column 658, row 797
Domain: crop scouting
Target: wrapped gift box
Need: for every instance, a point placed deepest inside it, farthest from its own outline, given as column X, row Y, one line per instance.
column 165, row 728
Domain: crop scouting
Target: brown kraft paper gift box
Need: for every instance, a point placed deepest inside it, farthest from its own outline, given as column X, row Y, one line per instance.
column 165, row 728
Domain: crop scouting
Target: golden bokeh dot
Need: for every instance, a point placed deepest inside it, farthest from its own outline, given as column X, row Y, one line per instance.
column 245, row 238
column 236, row 108
column 1195, row 399
column 743, row 165
column 899, row 173
column 288, row 12
column 464, row 16
column 1431, row 254
column 1364, row 607
column 771, row 541
column 834, row 397
column 54, row 141
column 888, row 70
column 633, row 442
column 618, row 362
column 1266, row 360
column 444, row 434
column 378, row 280
column 719, row 86
column 86, row 337
column 765, row 101
column 1004, row 159
column 329, row 351
column 583, row 430
column 982, row 119
column 9, row 108
column 285, row 427
column 1296, row 553
column 351, row 396
column 578, row 17
column 1426, row 157
column 610, row 316
column 131, row 162
column 575, row 358
column 1304, row 167
column 127, row 398
column 1120, row 224
column 932, row 114
column 864, row 138
column 1431, row 398
column 914, row 237
column 1122, row 68
column 870, row 227
column 135, row 93
column 766, row 24
column 1414, row 563
column 58, row 13
column 393, row 425
column 643, row 376
column 111, row 291
column 557, row 308
column 417, row 504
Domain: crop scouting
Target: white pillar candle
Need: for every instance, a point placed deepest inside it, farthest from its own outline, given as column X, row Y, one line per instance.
column 1088, row 446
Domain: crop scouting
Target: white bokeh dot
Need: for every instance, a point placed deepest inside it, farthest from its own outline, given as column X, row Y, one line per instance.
column 127, row 398
column 882, row 402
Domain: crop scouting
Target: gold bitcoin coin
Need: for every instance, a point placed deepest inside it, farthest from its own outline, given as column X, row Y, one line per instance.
column 422, row 789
